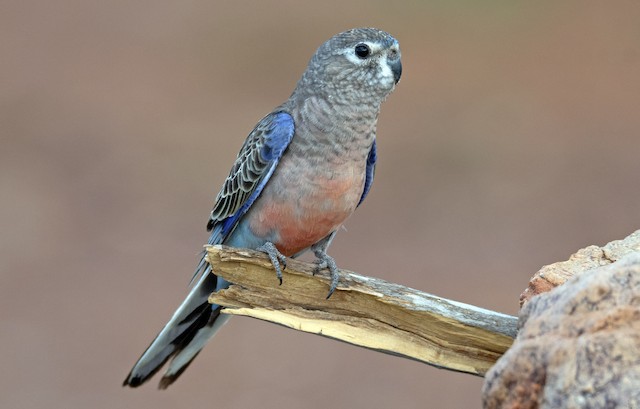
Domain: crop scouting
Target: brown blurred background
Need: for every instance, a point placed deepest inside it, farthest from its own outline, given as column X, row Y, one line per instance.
column 511, row 142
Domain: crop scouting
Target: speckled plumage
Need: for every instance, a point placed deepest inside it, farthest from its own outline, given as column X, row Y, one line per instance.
column 299, row 175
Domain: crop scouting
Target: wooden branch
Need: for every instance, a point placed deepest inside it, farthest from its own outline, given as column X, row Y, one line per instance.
column 363, row 311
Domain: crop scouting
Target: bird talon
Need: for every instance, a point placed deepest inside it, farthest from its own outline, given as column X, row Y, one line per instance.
column 278, row 260
column 283, row 261
column 320, row 265
column 326, row 261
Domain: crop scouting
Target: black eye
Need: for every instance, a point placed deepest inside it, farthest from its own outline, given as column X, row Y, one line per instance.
column 362, row 50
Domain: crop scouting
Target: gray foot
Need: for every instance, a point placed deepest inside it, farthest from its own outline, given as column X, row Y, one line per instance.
column 326, row 261
column 277, row 259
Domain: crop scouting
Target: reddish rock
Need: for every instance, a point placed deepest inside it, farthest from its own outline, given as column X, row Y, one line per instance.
column 553, row 275
column 578, row 345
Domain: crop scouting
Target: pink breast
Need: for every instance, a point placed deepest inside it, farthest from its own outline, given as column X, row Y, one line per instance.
column 306, row 220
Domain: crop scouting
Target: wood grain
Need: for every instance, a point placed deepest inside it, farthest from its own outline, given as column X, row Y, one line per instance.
column 363, row 311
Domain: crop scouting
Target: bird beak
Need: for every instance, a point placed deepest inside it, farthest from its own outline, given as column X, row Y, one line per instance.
column 396, row 69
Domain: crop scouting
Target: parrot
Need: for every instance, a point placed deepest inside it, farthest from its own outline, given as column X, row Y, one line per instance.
column 301, row 172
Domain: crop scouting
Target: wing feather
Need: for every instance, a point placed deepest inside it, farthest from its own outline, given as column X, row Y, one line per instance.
column 255, row 163
column 370, row 171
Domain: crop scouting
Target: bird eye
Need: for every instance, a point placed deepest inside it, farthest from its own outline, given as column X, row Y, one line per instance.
column 362, row 50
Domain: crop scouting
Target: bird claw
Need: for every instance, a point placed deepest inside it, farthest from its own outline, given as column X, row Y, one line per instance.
column 278, row 260
column 326, row 261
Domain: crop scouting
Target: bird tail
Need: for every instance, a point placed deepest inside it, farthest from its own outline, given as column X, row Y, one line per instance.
column 192, row 325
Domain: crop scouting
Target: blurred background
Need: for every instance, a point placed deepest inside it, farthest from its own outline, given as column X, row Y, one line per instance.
column 510, row 143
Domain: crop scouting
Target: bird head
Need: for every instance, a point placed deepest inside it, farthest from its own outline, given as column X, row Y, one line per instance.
column 362, row 63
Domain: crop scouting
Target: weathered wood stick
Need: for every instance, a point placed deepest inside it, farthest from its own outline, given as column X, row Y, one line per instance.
column 363, row 311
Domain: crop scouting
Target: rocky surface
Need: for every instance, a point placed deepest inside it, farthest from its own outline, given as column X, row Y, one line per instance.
column 578, row 345
column 553, row 275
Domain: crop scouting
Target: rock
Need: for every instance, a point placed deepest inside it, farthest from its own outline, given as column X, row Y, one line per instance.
column 553, row 275
column 579, row 345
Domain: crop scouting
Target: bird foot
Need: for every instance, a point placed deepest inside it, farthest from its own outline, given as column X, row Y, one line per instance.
column 278, row 260
column 326, row 261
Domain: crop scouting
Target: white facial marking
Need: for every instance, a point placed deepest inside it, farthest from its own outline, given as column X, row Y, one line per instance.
column 378, row 56
column 350, row 52
column 385, row 72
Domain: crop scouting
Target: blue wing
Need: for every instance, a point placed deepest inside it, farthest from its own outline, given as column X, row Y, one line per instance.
column 251, row 171
column 370, row 172
column 256, row 162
